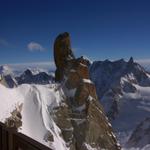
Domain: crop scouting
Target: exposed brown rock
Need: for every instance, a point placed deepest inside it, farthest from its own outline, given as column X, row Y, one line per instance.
column 89, row 123
column 82, row 70
column 15, row 120
column 63, row 121
column 83, row 61
column 62, row 53
column 73, row 80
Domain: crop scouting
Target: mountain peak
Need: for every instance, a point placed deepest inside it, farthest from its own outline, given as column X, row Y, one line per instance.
column 28, row 72
column 62, row 53
column 131, row 60
column 81, row 97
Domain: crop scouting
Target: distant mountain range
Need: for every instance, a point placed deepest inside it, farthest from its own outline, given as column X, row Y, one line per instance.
column 123, row 89
column 11, row 79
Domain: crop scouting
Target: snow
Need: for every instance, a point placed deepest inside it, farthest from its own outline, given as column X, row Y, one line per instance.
column 90, row 98
column 37, row 113
column 81, row 108
column 10, row 98
column 88, row 59
column 73, row 70
column 83, row 65
column 69, row 92
column 78, row 121
column 89, row 147
column 134, row 107
column 87, row 81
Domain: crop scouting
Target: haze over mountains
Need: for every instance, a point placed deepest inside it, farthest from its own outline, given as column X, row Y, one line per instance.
column 19, row 68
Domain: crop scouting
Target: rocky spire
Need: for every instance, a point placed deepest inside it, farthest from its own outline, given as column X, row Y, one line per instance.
column 62, row 53
column 131, row 61
column 87, row 118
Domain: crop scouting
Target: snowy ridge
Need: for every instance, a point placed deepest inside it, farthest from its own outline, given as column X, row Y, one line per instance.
column 37, row 114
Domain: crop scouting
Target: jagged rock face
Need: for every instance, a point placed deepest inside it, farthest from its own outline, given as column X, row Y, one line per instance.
column 30, row 78
column 15, row 120
column 113, row 79
column 62, row 53
column 87, row 119
column 8, row 81
column 123, row 90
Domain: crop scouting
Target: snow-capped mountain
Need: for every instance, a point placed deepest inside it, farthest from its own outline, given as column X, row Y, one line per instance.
column 6, row 77
column 35, row 78
column 10, row 79
column 123, row 88
column 5, row 70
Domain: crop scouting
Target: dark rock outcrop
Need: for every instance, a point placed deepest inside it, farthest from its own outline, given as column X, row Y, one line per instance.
column 8, row 81
column 62, row 53
column 29, row 78
column 15, row 120
column 90, row 127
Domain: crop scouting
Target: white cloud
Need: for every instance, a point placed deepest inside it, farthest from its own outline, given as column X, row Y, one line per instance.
column 145, row 63
column 33, row 46
column 42, row 65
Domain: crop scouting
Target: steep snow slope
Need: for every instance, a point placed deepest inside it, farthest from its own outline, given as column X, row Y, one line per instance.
column 37, row 113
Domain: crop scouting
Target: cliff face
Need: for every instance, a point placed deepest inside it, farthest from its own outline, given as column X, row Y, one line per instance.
column 81, row 112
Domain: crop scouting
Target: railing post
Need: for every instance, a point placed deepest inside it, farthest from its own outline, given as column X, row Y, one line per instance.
column 0, row 136
column 10, row 141
column 4, row 139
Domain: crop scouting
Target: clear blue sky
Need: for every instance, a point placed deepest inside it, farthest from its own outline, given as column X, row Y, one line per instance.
column 99, row 29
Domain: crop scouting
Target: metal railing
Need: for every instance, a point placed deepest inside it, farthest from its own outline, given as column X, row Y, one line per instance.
column 12, row 140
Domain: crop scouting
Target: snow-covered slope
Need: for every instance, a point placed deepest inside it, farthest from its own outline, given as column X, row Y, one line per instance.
column 37, row 112
column 123, row 88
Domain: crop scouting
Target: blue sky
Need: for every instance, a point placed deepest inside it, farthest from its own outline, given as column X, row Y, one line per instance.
column 99, row 29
